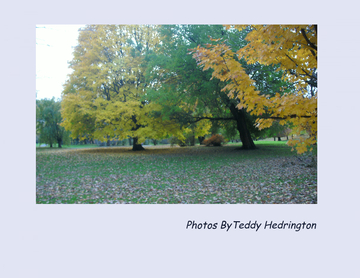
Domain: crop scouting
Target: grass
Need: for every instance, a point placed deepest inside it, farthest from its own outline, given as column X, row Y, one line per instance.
column 55, row 146
column 189, row 175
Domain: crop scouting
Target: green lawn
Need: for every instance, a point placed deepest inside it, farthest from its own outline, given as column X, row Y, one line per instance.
column 67, row 146
column 190, row 175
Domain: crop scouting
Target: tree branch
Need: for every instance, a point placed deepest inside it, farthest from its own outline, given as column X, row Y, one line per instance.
column 285, row 118
column 308, row 41
column 306, row 73
column 197, row 119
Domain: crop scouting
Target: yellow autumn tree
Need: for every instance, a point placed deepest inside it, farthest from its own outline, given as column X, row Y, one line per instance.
column 294, row 49
column 104, row 97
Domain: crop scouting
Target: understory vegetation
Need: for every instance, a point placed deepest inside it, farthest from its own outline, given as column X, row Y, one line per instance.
column 271, row 174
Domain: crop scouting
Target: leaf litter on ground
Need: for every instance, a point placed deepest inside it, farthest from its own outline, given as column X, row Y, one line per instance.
column 165, row 175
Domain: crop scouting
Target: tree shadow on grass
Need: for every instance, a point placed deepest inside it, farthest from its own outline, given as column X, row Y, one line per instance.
column 149, row 150
column 210, row 152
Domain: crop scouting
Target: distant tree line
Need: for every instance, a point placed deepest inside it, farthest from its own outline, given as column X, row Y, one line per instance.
column 48, row 120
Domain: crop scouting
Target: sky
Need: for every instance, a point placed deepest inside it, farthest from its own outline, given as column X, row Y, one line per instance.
column 54, row 48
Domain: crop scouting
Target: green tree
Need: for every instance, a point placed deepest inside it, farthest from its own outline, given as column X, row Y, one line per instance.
column 48, row 119
column 188, row 94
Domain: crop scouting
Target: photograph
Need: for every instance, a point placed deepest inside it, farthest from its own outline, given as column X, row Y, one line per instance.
column 176, row 114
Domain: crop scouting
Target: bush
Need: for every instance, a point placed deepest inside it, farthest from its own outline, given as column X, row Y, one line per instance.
column 215, row 140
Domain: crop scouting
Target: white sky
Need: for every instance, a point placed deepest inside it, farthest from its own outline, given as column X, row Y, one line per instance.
column 54, row 48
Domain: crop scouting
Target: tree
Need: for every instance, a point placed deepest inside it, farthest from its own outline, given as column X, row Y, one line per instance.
column 173, row 73
column 185, row 92
column 181, row 83
column 294, row 50
column 48, row 119
column 104, row 97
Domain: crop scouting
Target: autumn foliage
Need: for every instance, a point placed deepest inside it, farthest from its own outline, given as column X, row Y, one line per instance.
column 104, row 97
column 215, row 140
column 109, row 96
column 294, row 49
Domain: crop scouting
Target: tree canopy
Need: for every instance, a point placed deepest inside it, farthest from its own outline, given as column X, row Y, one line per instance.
column 294, row 49
column 148, row 81
column 105, row 95
column 182, row 84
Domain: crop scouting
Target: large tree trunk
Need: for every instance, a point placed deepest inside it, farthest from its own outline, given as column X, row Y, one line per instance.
column 136, row 146
column 247, row 142
column 59, row 143
column 192, row 140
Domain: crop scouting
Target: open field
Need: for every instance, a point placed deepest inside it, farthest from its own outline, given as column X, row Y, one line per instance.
column 271, row 174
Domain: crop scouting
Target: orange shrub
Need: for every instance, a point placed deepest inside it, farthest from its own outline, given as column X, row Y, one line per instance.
column 214, row 140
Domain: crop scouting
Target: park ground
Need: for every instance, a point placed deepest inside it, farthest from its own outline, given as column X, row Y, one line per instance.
column 272, row 174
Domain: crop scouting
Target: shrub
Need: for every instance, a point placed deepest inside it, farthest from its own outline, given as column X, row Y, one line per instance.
column 214, row 140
